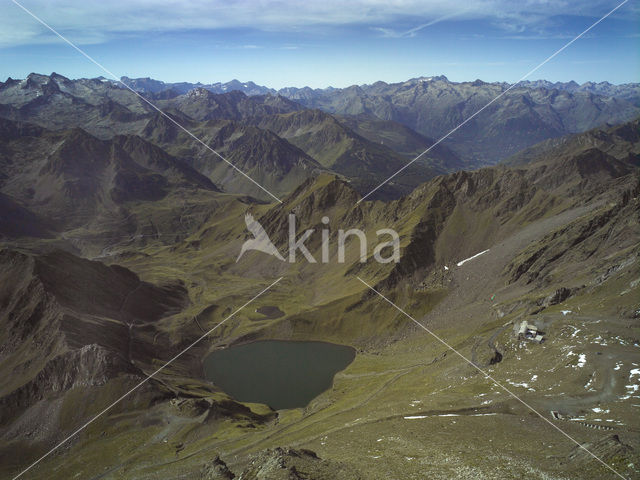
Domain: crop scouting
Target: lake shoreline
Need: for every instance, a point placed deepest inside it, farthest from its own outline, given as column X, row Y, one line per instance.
column 282, row 374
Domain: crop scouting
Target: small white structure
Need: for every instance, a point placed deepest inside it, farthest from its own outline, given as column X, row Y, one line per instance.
column 529, row 332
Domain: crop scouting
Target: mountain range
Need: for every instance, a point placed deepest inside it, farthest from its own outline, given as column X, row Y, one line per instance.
column 430, row 106
column 119, row 242
column 150, row 86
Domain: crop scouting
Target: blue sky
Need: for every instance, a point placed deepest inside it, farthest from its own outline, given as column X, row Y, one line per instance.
column 320, row 43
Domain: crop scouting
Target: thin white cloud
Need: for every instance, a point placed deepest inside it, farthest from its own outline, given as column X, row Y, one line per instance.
column 542, row 36
column 94, row 21
column 393, row 33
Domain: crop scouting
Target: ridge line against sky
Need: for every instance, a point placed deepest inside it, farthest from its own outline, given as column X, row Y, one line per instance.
column 322, row 43
column 249, row 83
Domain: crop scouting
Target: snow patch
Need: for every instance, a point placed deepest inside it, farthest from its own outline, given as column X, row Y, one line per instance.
column 632, row 387
column 471, row 258
column 600, row 341
column 582, row 360
column 589, row 384
column 522, row 384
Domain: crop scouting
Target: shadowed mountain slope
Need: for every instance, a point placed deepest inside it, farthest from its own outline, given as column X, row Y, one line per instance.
column 268, row 159
column 366, row 163
column 402, row 139
column 70, row 176
column 620, row 142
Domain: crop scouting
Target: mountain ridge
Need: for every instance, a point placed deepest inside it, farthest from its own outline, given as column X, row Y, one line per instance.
column 390, row 124
column 152, row 86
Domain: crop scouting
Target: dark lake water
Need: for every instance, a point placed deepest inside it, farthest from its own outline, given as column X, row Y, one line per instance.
column 282, row 374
